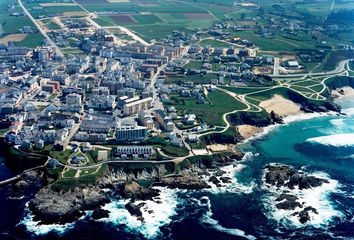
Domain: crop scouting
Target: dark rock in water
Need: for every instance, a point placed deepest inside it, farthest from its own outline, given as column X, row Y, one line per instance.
column 219, row 173
column 226, row 179
column 50, row 207
column 100, row 213
column 184, row 182
column 286, row 197
column 214, row 180
column 288, row 205
column 136, row 192
column 277, row 173
column 304, row 214
column 306, row 182
column 134, row 210
column 283, row 175
column 294, row 181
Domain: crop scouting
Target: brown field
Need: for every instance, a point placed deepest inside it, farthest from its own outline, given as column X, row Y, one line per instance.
column 122, row 19
column 196, row 16
column 57, row 4
column 17, row 37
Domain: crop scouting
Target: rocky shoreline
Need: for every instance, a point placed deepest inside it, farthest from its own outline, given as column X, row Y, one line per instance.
column 285, row 179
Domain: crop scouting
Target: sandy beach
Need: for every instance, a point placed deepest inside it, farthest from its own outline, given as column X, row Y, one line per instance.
column 343, row 92
column 248, row 131
column 281, row 106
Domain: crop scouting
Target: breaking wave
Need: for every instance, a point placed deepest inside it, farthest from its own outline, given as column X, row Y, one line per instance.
column 156, row 213
column 318, row 198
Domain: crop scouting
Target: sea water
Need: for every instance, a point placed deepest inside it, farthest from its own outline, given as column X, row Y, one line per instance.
column 319, row 145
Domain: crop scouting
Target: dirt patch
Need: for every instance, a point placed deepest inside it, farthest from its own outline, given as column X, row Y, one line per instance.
column 122, row 19
column 17, row 37
column 262, row 70
column 280, row 106
column 196, row 16
column 248, row 131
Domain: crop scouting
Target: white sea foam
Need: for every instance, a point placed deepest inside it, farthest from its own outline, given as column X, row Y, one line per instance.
column 338, row 122
column 348, row 111
column 317, row 198
column 155, row 214
column 304, row 116
column 336, row 140
column 43, row 229
column 207, row 219
column 234, row 186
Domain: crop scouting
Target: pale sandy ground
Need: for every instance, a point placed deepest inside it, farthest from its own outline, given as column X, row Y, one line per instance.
column 217, row 147
column 343, row 92
column 281, row 106
column 17, row 37
column 248, row 131
column 56, row 4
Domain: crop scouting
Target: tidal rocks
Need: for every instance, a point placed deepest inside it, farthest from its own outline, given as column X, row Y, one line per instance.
column 184, row 182
column 287, row 202
column 214, row 180
column 304, row 214
column 134, row 210
column 283, row 175
column 50, row 207
column 136, row 192
column 100, row 213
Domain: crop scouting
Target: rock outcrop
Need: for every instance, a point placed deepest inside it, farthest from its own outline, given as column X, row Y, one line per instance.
column 286, row 178
column 283, row 175
column 184, row 182
column 50, row 207
column 135, row 192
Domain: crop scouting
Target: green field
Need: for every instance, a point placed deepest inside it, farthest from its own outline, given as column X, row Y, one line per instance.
column 221, row 103
column 196, row 79
column 12, row 24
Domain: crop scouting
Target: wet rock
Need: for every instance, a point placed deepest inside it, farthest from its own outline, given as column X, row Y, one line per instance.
column 288, row 205
column 184, row 182
column 134, row 210
column 286, row 197
column 136, row 192
column 214, row 180
column 100, row 213
column 226, row 179
column 306, row 182
column 304, row 215
column 50, row 206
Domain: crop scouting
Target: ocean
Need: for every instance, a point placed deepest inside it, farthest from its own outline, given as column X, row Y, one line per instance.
column 321, row 146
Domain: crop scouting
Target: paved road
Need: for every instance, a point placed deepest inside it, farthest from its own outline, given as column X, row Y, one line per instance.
column 339, row 69
column 41, row 30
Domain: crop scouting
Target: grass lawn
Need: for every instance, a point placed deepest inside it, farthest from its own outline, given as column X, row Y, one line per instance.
column 194, row 65
column 175, row 151
column 214, row 43
column 196, row 79
column 221, row 103
column 62, row 156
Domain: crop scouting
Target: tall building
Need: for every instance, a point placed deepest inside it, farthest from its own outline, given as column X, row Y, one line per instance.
column 131, row 133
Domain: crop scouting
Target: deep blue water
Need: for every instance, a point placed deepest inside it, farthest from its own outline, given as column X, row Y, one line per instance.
column 240, row 210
